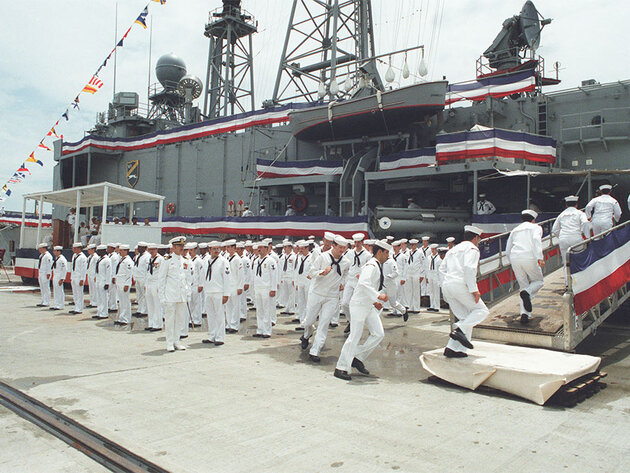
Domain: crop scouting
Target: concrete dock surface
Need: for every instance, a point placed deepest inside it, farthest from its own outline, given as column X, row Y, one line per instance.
column 257, row 405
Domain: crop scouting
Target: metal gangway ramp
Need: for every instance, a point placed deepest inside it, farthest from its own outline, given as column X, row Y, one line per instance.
column 564, row 314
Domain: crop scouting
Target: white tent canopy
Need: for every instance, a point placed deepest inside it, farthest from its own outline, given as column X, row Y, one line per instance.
column 93, row 195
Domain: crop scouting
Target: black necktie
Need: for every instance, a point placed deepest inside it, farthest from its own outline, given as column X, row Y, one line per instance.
column 151, row 264
column 40, row 261
column 396, row 257
column 209, row 272
column 381, row 281
column 301, row 270
column 286, row 263
column 118, row 266
column 54, row 265
column 137, row 260
column 357, row 260
column 433, row 262
column 336, row 263
column 411, row 256
column 259, row 268
column 74, row 260
column 98, row 262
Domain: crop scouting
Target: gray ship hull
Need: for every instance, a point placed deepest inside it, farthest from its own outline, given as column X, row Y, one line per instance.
column 391, row 111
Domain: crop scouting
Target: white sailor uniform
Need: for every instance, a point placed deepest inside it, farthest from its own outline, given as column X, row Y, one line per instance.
column 216, row 279
column 77, row 279
column 44, row 267
column 174, row 291
column 604, row 211
column 102, row 278
column 60, row 270
column 123, row 275
column 154, row 307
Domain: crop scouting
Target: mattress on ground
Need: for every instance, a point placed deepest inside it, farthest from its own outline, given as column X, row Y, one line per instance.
column 531, row 373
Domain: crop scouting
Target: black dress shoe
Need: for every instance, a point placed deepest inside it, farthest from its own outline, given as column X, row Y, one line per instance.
column 72, row 312
column 448, row 353
column 304, row 342
column 315, row 358
column 459, row 336
column 432, row 310
column 190, row 325
column 95, row 317
column 299, row 329
column 148, row 329
column 360, row 367
column 273, row 324
column 218, row 344
column 243, row 320
column 266, row 336
column 333, row 325
column 342, row 375
column 40, row 305
column 122, row 324
column 183, row 336
column 347, row 329
column 155, row 329
column 406, row 315
column 196, row 325
column 257, row 335
column 112, row 310
column 524, row 319
column 527, row 300
column 295, row 321
column 205, row 340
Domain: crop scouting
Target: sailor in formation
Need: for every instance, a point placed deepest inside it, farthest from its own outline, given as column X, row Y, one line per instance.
column 59, row 273
column 121, row 277
column 433, row 262
column 603, row 211
column 365, row 309
column 524, row 250
column 91, row 268
column 247, row 279
column 286, row 296
column 416, row 264
column 265, row 287
column 102, row 282
column 196, row 298
column 141, row 264
column 44, row 267
column 426, row 251
column 233, row 307
column 391, row 272
column 114, row 259
column 78, row 275
column 458, row 271
column 216, row 287
column 571, row 226
column 154, row 307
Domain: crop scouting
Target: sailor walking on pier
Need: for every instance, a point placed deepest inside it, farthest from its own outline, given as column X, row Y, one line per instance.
column 365, row 308
column 357, row 257
column 603, row 211
column 77, row 277
column 44, row 267
column 459, row 275
column 524, row 250
column 415, row 275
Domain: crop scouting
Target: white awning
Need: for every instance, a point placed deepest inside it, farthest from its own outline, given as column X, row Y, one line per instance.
column 92, row 195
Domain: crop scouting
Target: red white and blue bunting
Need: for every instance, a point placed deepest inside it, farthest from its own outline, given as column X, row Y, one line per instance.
column 273, row 169
column 502, row 86
column 414, row 158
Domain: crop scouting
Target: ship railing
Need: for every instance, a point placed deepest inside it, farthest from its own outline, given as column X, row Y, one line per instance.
column 238, row 12
column 598, row 125
column 577, row 327
column 483, row 63
column 495, row 278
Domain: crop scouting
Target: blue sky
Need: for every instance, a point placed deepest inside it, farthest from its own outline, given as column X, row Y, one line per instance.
column 51, row 49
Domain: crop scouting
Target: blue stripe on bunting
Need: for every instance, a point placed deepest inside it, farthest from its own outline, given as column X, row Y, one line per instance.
column 598, row 249
column 300, row 164
column 507, row 135
column 412, row 153
column 502, row 80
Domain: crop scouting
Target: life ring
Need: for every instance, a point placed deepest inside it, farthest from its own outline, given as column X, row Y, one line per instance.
column 299, row 203
column 170, row 208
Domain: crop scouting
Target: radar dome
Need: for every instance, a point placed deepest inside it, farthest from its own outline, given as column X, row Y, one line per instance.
column 169, row 70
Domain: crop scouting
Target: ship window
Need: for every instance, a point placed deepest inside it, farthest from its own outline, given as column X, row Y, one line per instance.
column 597, row 120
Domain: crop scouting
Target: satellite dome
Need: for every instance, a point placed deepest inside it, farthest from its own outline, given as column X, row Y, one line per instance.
column 169, row 70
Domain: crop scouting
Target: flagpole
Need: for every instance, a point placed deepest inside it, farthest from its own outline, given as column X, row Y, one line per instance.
column 115, row 45
column 149, row 75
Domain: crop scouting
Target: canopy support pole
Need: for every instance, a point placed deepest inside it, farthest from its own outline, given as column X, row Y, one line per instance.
column 39, row 221
column 160, row 211
column 77, row 217
column 23, row 223
column 105, row 195
column 475, row 192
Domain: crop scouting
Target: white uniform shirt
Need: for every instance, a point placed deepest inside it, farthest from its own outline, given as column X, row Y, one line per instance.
column 328, row 285
column 525, row 242
column 401, row 262
column 153, row 270
column 287, row 266
column 236, row 272
column 247, row 269
column 459, row 266
column 433, row 267
column 45, row 263
column 356, row 260
column 266, row 274
column 416, row 264
column 391, row 272
column 60, row 268
column 485, row 207
column 79, row 267
column 103, row 270
column 91, row 266
column 215, row 276
column 141, row 265
column 603, row 209
column 303, row 269
column 123, row 272
column 370, row 284
column 571, row 223
column 172, row 284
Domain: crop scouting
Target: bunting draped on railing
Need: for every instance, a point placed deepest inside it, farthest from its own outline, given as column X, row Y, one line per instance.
column 413, row 158
column 91, row 87
column 270, row 169
column 501, row 86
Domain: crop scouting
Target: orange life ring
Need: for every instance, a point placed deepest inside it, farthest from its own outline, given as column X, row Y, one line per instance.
column 170, row 208
column 299, row 203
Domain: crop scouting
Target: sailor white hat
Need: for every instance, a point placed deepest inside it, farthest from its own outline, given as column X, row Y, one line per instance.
column 142, row 243
column 214, row 244
column 433, row 246
column 383, row 244
column 111, row 245
column 180, row 240
column 414, row 241
column 404, row 240
column 248, row 243
column 426, row 238
column 450, row 239
column 287, row 243
column 203, row 245
column 303, row 244
column 571, row 198
column 442, row 249
column 369, row 242
column 605, row 187
column 396, row 243
column 329, row 236
column 164, row 247
column 58, row 248
column 409, row 199
column 482, row 195
column 124, row 247
column 153, row 246
column 389, row 238
column 267, row 241
column 311, row 237
column 358, row 236
column 255, row 246
column 240, row 244
column 42, row 245
column 189, row 246
column 229, row 242
column 473, row 229
column 101, row 247
column 529, row 212
column 91, row 246
column 279, row 245
column 78, row 244
column 339, row 240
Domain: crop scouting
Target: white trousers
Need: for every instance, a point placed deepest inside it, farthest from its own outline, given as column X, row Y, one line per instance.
column 216, row 317
column 403, row 292
column 92, row 291
column 44, row 288
column 141, row 297
column 600, row 226
column 265, row 307
column 362, row 314
column 325, row 308
column 77, row 294
column 392, row 291
column 287, row 295
column 101, row 301
column 468, row 313
column 529, row 277
column 175, row 313
column 124, row 305
column 112, row 297
column 243, row 304
column 58, row 295
column 154, row 308
column 301, row 302
column 187, row 319
column 196, row 303
column 413, row 294
column 424, row 288
column 233, row 312
column 348, row 291
column 434, row 292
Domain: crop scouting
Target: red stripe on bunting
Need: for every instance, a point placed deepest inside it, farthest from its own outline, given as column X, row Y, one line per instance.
column 605, row 288
column 443, row 157
column 254, row 231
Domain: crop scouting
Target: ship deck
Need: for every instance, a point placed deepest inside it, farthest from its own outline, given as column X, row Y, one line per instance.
column 259, row 405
